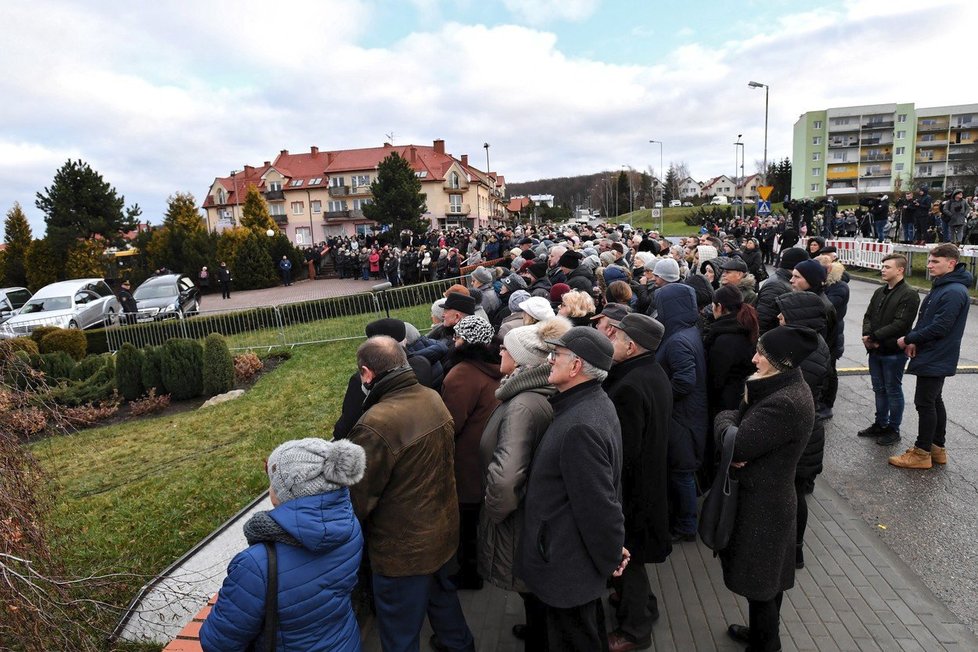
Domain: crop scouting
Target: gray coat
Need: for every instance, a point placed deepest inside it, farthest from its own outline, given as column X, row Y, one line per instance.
column 774, row 426
column 574, row 529
column 511, row 435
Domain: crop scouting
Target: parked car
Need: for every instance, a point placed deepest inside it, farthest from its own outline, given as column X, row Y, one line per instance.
column 719, row 200
column 166, row 297
column 657, row 204
column 687, row 204
column 11, row 300
column 675, row 203
column 80, row 303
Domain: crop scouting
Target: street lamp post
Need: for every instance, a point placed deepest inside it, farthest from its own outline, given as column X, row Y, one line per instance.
column 736, row 178
column 755, row 84
column 488, row 181
column 662, row 185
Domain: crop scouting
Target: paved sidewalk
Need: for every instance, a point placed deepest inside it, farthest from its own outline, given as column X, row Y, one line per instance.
column 853, row 594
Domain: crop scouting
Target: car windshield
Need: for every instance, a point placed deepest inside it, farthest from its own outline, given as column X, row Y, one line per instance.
column 155, row 291
column 48, row 303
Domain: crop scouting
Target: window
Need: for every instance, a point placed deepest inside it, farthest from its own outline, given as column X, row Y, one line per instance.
column 274, row 185
column 816, row 172
column 222, row 197
column 926, row 138
column 455, row 202
column 421, row 174
column 316, row 181
column 817, row 140
column 898, row 167
column 303, row 235
column 316, row 206
column 295, row 183
column 901, row 135
column 817, row 124
column 453, row 180
column 814, row 187
column 336, row 182
column 902, row 117
column 336, row 205
column 900, row 151
column 817, row 156
column 965, row 135
column 358, row 204
column 925, row 169
column 298, row 208
column 358, row 180
column 276, row 209
column 364, row 229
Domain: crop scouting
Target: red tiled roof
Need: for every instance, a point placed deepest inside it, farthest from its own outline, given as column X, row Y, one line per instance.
column 237, row 186
column 516, row 204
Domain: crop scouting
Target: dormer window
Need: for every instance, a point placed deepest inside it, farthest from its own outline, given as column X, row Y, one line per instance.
column 222, row 196
column 274, row 185
column 453, row 180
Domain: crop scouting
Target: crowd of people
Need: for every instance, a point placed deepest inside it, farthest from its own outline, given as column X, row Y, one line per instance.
column 552, row 430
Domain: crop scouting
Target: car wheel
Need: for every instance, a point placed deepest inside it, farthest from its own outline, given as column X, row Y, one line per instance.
column 73, row 325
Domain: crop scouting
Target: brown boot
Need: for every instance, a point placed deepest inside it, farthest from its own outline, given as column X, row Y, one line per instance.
column 914, row 458
column 938, row 454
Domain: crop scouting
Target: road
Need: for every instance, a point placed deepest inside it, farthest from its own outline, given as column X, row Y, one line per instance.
column 928, row 518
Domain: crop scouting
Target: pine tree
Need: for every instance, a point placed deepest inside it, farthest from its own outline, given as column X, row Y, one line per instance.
column 624, row 194
column 79, row 204
column 397, row 197
column 252, row 266
column 254, row 213
column 85, row 260
column 182, row 213
column 17, row 237
column 671, row 184
column 42, row 264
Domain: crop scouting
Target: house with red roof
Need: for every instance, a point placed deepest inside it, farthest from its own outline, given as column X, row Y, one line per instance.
column 318, row 194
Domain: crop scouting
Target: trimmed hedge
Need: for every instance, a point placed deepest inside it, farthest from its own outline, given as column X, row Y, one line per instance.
column 71, row 341
column 218, row 366
column 38, row 333
column 57, row 365
column 151, row 376
column 25, row 344
column 181, row 368
column 129, row 372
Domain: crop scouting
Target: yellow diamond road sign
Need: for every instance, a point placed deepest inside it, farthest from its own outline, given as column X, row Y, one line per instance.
column 764, row 192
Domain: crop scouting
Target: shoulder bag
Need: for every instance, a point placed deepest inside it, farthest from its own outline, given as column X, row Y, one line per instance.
column 271, row 602
column 719, row 509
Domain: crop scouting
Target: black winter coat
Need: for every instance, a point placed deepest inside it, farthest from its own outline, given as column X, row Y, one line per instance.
column 642, row 395
column 767, row 306
column 728, row 359
column 774, row 424
column 581, row 279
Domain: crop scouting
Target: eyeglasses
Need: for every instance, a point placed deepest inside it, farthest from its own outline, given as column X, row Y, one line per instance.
column 553, row 355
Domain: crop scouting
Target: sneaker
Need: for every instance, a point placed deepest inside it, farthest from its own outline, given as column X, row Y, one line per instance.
column 888, row 437
column 914, row 458
column 874, row 430
column 938, row 454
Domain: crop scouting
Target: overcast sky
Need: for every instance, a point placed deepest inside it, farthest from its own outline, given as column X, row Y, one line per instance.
column 164, row 96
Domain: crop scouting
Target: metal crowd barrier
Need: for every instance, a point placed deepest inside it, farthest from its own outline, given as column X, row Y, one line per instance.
column 869, row 254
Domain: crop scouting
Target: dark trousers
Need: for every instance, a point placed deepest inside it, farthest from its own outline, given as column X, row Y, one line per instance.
column 468, row 546
column 536, row 623
column 225, row 290
column 402, row 603
column 577, row 629
column 801, row 485
column 639, row 607
column 831, row 387
column 931, row 414
column 765, row 617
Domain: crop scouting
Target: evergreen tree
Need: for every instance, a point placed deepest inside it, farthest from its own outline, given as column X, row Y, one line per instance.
column 182, row 244
column 182, row 213
column 624, row 194
column 254, row 213
column 779, row 176
column 42, row 264
column 397, row 197
column 17, row 237
column 672, row 183
column 79, row 204
column 252, row 266
column 85, row 259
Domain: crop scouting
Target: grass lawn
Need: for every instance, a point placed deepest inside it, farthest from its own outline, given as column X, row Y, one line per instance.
column 673, row 218
column 132, row 497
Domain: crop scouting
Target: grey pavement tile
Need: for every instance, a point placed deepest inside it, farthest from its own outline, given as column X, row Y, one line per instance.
column 826, row 644
column 854, row 624
column 799, row 635
column 903, row 612
column 882, row 636
column 867, row 645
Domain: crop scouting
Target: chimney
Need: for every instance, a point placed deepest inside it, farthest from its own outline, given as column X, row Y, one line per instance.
column 439, row 145
column 284, row 152
column 387, row 145
column 329, row 158
column 465, row 160
column 413, row 155
column 314, row 150
column 248, row 168
column 268, row 164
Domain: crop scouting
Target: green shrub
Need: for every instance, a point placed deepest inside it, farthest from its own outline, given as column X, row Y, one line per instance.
column 38, row 333
column 181, row 366
column 218, row 366
column 25, row 344
column 97, row 387
column 89, row 365
column 129, row 372
column 71, row 341
column 151, row 375
column 57, row 365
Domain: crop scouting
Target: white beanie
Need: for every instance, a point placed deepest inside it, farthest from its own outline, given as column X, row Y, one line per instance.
column 527, row 345
column 538, row 308
column 706, row 252
column 308, row 467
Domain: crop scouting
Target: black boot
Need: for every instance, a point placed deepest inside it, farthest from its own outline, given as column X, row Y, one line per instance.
column 799, row 555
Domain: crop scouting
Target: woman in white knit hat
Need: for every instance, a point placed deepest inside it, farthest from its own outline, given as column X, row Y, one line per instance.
column 508, row 441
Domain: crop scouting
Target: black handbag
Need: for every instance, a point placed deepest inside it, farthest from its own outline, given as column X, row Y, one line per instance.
column 719, row 509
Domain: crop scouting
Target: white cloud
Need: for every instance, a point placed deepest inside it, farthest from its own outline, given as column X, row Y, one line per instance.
column 542, row 12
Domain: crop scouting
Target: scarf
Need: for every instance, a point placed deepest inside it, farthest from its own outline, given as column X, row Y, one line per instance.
column 262, row 527
column 522, row 380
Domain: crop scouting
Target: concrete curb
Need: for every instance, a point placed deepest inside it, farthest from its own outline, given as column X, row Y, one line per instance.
column 862, row 371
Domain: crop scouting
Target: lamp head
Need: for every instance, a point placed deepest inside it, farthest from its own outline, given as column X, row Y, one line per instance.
column 754, row 84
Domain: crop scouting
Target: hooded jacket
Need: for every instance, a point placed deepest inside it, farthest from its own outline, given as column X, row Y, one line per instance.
column 315, row 582
column 940, row 326
column 837, row 292
column 728, row 353
column 683, row 358
column 767, row 306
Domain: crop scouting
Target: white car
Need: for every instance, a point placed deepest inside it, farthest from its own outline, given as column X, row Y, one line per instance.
column 81, row 303
column 675, row 203
column 11, row 300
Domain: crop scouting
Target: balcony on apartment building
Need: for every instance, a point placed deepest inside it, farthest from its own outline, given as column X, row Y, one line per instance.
column 337, row 215
column 875, row 139
column 962, row 153
column 274, row 195
column 932, row 141
column 339, row 191
column 843, row 142
column 875, row 157
column 878, row 124
column 360, row 190
column 839, row 129
column 876, row 171
column 841, row 172
column 933, row 173
column 841, row 188
column 457, row 209
column 924, row 126
column 281, row 220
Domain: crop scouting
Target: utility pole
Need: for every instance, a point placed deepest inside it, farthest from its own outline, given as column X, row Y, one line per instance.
column 755, row 84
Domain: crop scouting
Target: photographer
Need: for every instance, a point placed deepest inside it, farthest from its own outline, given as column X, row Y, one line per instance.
column 904, row 207
column 921, row 215
column 879, row 209
column 829, row 211
column 955, row 213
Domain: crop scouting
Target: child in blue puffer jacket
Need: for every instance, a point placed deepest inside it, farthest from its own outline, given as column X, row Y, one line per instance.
column 318, row 545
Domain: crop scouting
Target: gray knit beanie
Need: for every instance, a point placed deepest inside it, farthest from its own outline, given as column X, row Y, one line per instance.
column 307, row 467
column 526, row 344
column 482, row 275
column 516, row 298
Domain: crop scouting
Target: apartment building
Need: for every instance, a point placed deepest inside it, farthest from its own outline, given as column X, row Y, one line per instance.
column 851, row 151
column 317, row 194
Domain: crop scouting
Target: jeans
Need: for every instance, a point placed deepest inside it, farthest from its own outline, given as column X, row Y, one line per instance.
column 879, row 227
column 886, row 374
column 945, row 231
column 908, row 231
column 931, row 414
column 402, row 603
column 957, row 233
column 683, row 488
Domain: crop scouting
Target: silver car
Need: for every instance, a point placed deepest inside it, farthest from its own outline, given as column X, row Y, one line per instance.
column 11, row 300
column 80, row 303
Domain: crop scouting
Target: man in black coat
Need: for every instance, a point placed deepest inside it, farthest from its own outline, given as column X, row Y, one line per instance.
column 778, row 284
column 574, row 529
column 642, row 394
column 128, row 303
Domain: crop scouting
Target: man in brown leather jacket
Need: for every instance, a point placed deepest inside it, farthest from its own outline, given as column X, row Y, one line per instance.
column 406, row 500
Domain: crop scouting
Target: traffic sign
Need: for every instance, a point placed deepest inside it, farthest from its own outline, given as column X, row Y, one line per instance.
column 764, row 192
column 656, row 212
column 763, row 206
